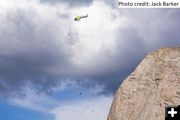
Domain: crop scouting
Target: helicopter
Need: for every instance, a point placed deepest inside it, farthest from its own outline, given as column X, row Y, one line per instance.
column 77, row 18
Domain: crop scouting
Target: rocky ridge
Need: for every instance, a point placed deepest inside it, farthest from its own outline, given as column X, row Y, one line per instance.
column 154, row 84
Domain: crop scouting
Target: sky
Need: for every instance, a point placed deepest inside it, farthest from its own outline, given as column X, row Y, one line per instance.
column 54, row 68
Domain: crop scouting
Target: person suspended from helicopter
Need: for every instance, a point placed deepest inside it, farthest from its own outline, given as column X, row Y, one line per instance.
column 77, row 18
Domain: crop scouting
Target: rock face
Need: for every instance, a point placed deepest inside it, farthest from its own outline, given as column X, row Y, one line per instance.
column 154, row 84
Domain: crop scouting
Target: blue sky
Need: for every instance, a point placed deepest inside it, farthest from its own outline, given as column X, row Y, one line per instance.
column 9, row 112
column 53, row 68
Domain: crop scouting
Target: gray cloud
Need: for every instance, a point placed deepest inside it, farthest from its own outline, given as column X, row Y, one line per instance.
column 75, row 3
column 148, row 31
column 32, row 51
column 28, row 51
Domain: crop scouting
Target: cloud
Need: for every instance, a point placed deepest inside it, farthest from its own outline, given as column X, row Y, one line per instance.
column 76, row 3
column 79, row 3
column 31, row 100
column 89, row 102
column 32, row 46
column 42, row 50
column 93, row 109
column 41, row 44
column 62, row 95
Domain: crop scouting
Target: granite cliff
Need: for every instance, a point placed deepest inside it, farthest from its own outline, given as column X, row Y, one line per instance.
column 154, row 84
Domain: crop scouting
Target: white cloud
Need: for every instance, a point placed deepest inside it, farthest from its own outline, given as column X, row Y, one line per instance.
column 96, row 34
column 94, row 37
column 46, row 36
column 107, row 42
column 33, row 100
column 94, row 106
column 91, row 109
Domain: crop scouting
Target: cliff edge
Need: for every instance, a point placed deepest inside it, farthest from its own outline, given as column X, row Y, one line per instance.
column 154, row 84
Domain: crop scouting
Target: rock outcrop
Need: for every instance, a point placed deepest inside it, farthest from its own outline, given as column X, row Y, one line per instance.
column 154, row 84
